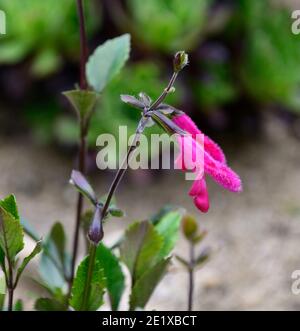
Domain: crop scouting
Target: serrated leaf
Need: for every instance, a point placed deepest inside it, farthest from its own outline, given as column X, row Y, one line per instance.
column 168, row 227
column 115, row 280
column 97, row 287
column 83, row 101
column 46, row 304
column 145, row 286
column 161, row 213
column 106, row 61
column 11, row 232
column 54, row 259
column 81, row 183
column 37, row 249
column 140, row 248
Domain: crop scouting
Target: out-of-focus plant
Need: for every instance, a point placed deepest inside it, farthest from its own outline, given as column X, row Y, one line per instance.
column 194, row 236
column 215, row 85
column 44, row 31
column 162, row 24
column 269, row 65
column 11, row 244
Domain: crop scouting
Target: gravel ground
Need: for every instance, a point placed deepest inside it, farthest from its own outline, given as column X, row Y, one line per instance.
column 254, row 235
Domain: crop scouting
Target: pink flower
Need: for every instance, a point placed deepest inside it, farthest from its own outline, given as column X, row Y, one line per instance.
column 214, row 164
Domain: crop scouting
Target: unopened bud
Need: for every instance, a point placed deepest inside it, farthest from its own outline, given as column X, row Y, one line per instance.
column 189, row 227
column 181, row 59
column 95, row 233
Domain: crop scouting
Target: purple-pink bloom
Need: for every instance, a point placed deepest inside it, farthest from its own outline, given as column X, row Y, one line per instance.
column 214, row 165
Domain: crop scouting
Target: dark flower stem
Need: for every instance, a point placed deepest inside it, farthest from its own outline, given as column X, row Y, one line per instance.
column 191, row 277
column 82, row 142
column 115, row 183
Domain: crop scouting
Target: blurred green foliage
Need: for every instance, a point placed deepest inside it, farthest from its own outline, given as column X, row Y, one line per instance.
column 240, row 51
column 169, row 25
column 46, row 31
column 270, row 67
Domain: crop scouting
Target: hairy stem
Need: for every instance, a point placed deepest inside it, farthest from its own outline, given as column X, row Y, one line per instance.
column 82, row 142
column 191, row 277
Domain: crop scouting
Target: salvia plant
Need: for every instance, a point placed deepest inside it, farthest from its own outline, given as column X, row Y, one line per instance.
column 145, row 248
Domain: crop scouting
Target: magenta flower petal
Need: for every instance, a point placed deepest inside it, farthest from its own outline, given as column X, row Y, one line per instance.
column 187, row 124
column 222, row 174
column 214, row 163
column 200, row 193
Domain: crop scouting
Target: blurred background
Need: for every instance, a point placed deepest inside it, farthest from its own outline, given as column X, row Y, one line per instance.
column 242, row 87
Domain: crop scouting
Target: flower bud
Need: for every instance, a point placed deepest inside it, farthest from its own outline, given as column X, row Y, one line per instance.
column 189, row 227
column 181, row 59
column 95, row 233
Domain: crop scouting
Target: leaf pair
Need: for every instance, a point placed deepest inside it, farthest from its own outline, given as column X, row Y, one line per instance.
column 158, row 115
column 145, row 250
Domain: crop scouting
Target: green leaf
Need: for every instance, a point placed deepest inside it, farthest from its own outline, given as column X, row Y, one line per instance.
column 2, row 292
column 46, row 304
column 18, row 306
column 168, row 227
column 11, row 232
column 29, row 230
column 106, row 61
column 37, row 249
column 140, row 248
column 182, row 261
column 54, row 259
column 116, row 212
column 115, row 280
column 83, row 101
column 2, row 258
column 145, row 286
column 97, row 287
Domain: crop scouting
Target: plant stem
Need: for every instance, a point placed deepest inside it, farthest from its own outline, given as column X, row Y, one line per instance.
column 83, row 45
column 82, row 142
column 87, row 286
column 10, row 299
column 166, row 91
column 191, row 277
column 115, row 183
